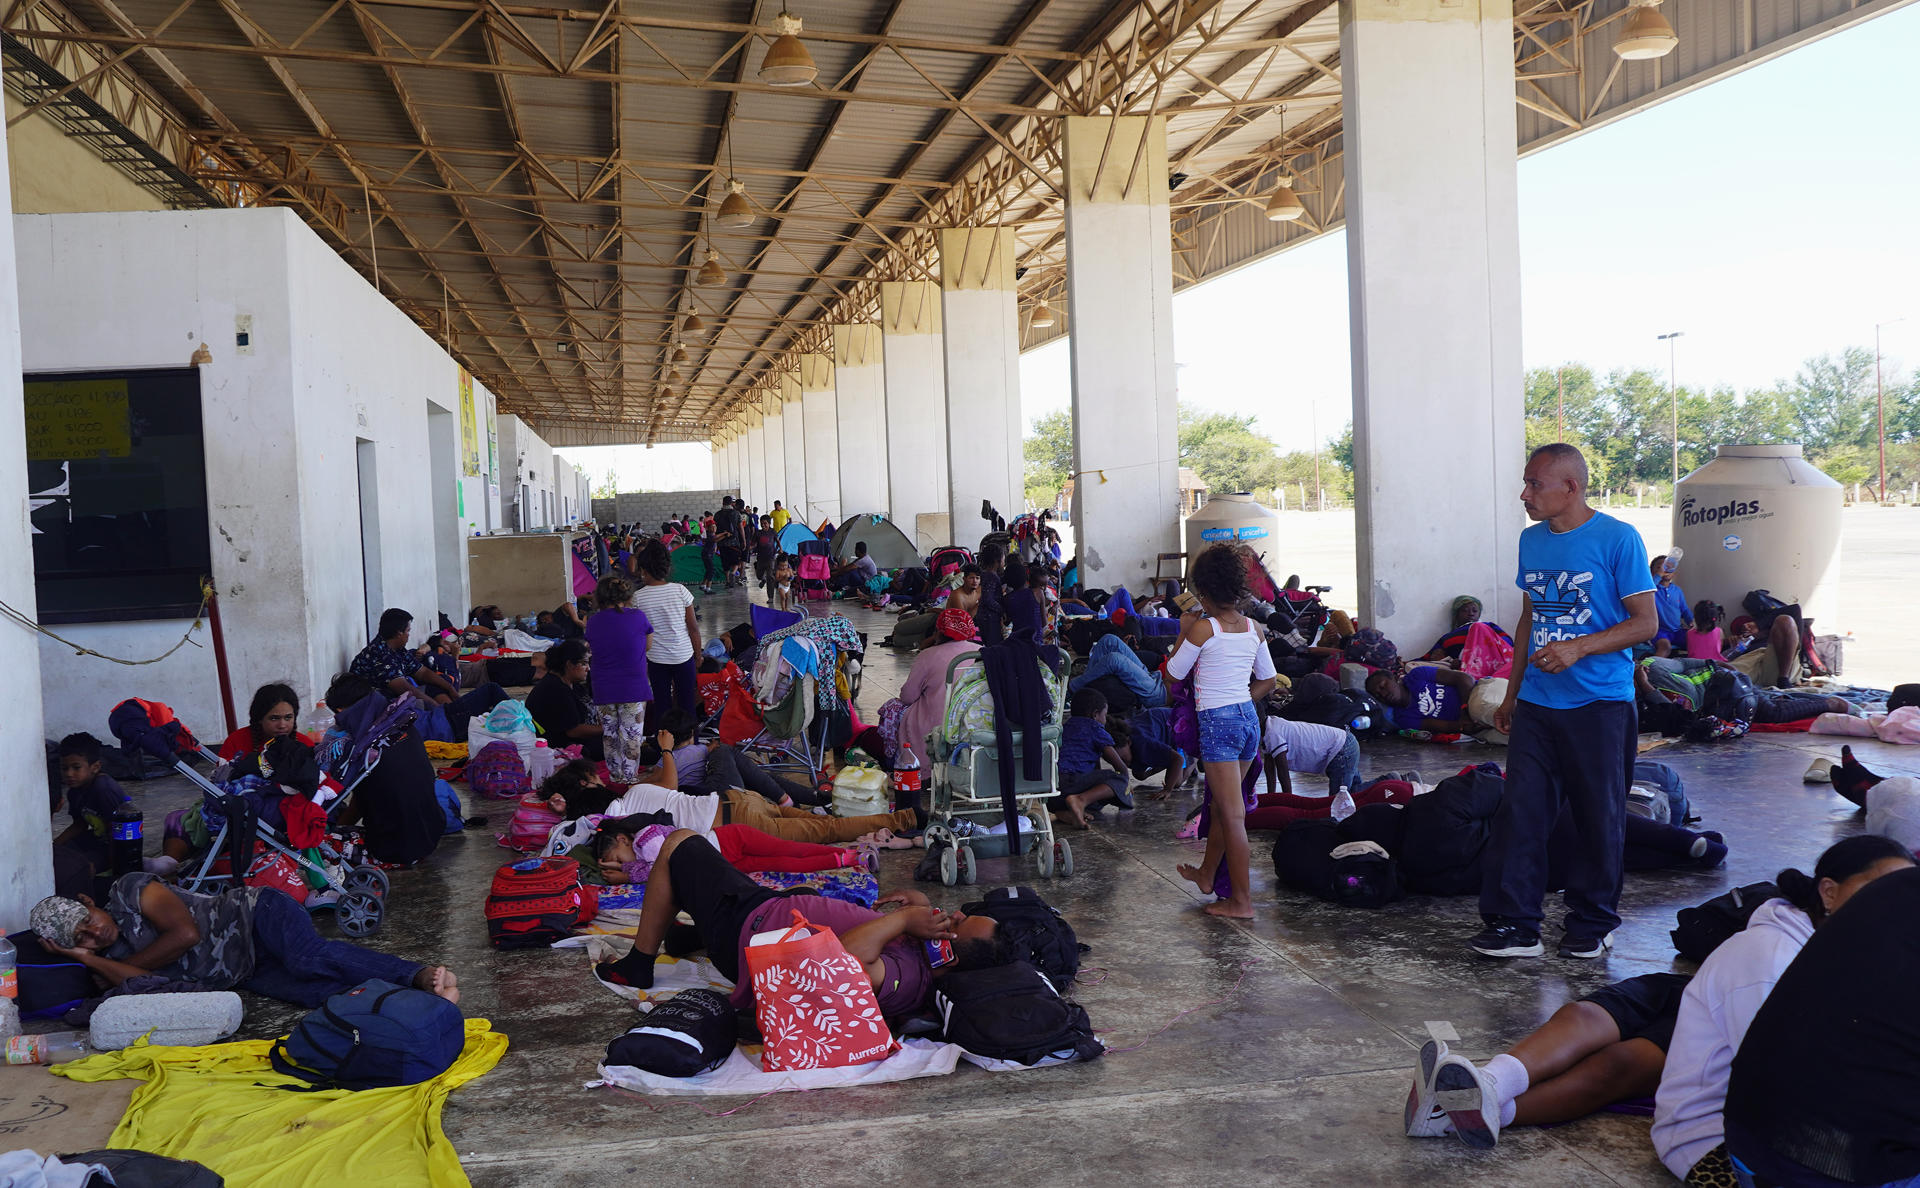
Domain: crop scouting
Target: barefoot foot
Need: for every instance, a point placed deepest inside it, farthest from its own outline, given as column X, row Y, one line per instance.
column 438, row 980
column 1194, row 875
column 1231, row 909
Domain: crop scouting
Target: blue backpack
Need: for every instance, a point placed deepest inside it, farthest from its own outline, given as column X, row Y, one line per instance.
column 373, row 1036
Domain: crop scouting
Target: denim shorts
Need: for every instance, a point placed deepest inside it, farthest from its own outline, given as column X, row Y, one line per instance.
column 1229, row 734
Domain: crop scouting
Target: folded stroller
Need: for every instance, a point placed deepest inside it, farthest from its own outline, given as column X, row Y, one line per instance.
column 800, row 681
column 246, row 814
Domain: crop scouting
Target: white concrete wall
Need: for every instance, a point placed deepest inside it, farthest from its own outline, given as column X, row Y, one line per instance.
column 753, row 466
column 916, row 392
column 820, row 419
column 52, row 172
column 773, row 451
column 527, row 468
column 985, row 451
column 26, row 862
column 861, row 399
column 362, row 371
column 795, row 481
column 333, row 365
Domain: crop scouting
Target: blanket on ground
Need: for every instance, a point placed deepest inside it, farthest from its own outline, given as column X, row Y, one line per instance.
column 223, row 1105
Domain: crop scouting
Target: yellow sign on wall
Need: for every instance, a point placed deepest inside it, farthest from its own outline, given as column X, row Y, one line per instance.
column 469, row 428
column 73, row 419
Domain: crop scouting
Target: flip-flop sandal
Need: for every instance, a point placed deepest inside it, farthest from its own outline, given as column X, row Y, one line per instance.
column 1819, row 772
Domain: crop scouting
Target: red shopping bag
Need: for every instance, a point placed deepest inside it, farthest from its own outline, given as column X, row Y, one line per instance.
column 814, row 1004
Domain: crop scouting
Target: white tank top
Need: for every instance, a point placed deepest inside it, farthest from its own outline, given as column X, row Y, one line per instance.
column 1224, row 665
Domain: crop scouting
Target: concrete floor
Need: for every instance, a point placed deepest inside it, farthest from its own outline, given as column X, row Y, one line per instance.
column 1291, row 1068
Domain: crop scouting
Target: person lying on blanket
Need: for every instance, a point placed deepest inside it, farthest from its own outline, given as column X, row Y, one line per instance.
column 728, row 909
column 701, row 812
column 624, row 849
column 253, row 938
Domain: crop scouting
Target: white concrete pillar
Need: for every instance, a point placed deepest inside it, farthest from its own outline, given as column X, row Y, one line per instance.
column 1126, row 494
column 916, row 398
column 860, row 395
column 752, row 466
column 793, row 424
column 1433, row 261
column 820, row 421
column 26, row 861
column 985, row 431
column 778, row 488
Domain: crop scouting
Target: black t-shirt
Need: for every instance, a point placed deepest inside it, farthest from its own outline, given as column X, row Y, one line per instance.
column 557, row 708
column 1829, row 1072
column 400, row 817
column 726, row 521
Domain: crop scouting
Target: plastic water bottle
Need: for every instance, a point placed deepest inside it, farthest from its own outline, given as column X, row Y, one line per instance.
column 319, row 720
column 1343, row 806
column 1674, row 556
column 542, row 764
column 53, row 1047
column 129, row 839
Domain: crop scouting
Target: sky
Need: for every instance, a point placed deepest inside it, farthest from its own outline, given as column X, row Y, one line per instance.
column 1768, row 217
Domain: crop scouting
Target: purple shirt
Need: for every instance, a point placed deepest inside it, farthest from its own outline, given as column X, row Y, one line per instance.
column 618, row 638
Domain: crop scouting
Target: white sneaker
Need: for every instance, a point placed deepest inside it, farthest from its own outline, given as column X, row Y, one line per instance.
column 1423, row 1118
column 1468, row 1096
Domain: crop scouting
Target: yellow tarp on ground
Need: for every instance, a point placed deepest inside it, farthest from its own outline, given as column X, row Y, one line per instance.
column 224, row 1106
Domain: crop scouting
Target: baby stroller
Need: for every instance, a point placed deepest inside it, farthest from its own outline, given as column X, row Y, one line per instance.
column 966, row 802
column 950, row 560
column 244, row 816
column 813, row 572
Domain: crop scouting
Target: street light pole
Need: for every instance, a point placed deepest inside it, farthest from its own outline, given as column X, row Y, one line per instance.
column 1560, row 414
column 1880, row 405
column 1673, row 393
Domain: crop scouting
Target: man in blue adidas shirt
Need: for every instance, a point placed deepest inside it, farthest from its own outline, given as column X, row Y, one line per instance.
column 1569, row 713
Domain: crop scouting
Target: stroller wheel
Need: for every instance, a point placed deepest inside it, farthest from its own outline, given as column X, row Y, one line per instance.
column 359, row 913
column 1045, row 858
column 370, row 879
column 968, row 874
column 949, row 865
column 1063, row 863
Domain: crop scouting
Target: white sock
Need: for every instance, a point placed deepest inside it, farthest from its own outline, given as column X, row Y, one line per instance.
column 1508, row 1109
column 1510, row 1077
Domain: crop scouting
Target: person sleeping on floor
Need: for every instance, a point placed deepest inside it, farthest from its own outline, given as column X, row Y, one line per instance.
column 246, row 938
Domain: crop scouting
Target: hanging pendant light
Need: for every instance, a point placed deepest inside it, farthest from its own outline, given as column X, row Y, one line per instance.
column 679, row 353
column 1647, row 35
column 1042, row 316
column 694, row 324
column 735, row 210
column 787, row 64
column 1283, row 205
column 673, row 377
column 710, row 272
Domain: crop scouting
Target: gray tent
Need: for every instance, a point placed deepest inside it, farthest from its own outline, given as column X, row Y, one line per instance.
column 886, row 544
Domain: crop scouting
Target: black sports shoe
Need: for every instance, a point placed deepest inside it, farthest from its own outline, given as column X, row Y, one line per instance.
column 1507, row 940
column 1586, row 950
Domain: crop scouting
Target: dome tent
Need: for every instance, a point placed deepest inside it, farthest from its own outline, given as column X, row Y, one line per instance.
column 886, row 544
column 793, row 536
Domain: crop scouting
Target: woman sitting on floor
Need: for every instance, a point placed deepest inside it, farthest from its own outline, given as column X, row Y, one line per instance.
column 559, row 703
column 273, row 713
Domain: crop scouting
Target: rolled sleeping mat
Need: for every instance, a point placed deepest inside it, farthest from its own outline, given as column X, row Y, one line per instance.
column 180, row 1020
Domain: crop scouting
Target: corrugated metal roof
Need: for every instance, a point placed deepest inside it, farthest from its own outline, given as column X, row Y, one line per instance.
column 548, row 174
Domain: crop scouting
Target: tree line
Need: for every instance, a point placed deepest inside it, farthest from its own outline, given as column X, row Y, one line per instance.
column 1622, row 420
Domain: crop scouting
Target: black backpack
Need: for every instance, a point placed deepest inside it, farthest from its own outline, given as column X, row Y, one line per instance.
column 1038, row 933
column 1730, row 696
column 49, row 983
column 682, row 1037
column 1012, row 1012
column 1703, row 929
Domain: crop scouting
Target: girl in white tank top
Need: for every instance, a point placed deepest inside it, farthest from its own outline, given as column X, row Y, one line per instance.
column 1227, row 654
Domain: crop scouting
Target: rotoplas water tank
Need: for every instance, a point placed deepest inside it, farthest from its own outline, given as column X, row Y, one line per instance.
column 1234, row 517
column 1761, row 517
